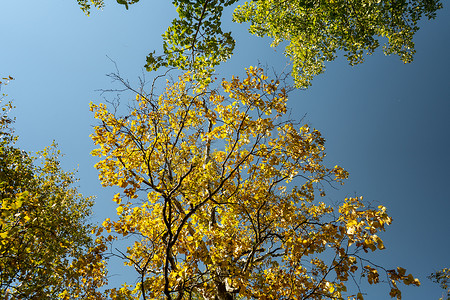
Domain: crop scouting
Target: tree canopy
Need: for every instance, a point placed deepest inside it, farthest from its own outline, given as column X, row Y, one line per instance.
column 222, row 193
column 222, row 198
column 313, row 31
column 45, row 244
column 316, row 31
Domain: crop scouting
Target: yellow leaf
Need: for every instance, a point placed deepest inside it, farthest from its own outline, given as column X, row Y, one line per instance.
column 119, row 210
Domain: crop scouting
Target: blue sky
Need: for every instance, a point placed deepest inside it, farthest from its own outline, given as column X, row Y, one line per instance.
column 387, row 123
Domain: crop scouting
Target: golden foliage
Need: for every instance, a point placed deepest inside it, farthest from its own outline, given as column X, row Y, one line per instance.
column 46, row 251
column 221, row 195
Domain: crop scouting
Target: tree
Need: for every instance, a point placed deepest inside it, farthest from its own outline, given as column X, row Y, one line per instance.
column 45, row 243
column 315, row 31
column 442, row 277
column 221, row 197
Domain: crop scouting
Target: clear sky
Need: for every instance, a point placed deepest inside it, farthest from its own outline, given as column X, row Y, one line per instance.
column 385, row 122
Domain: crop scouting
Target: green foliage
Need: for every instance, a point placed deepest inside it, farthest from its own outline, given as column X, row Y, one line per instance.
column 316, row 30
column 126, row 2
column 43, row 228
column 195, row 40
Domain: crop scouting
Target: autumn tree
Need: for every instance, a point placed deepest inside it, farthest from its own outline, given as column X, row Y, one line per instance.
column 315, row 31
column 46, row 250
column 222, row 198
column 220, row 190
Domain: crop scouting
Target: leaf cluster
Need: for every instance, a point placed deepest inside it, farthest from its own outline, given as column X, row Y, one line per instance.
column 315, row 31
column 442, row 277
column 195, row 40
column 87, row 5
